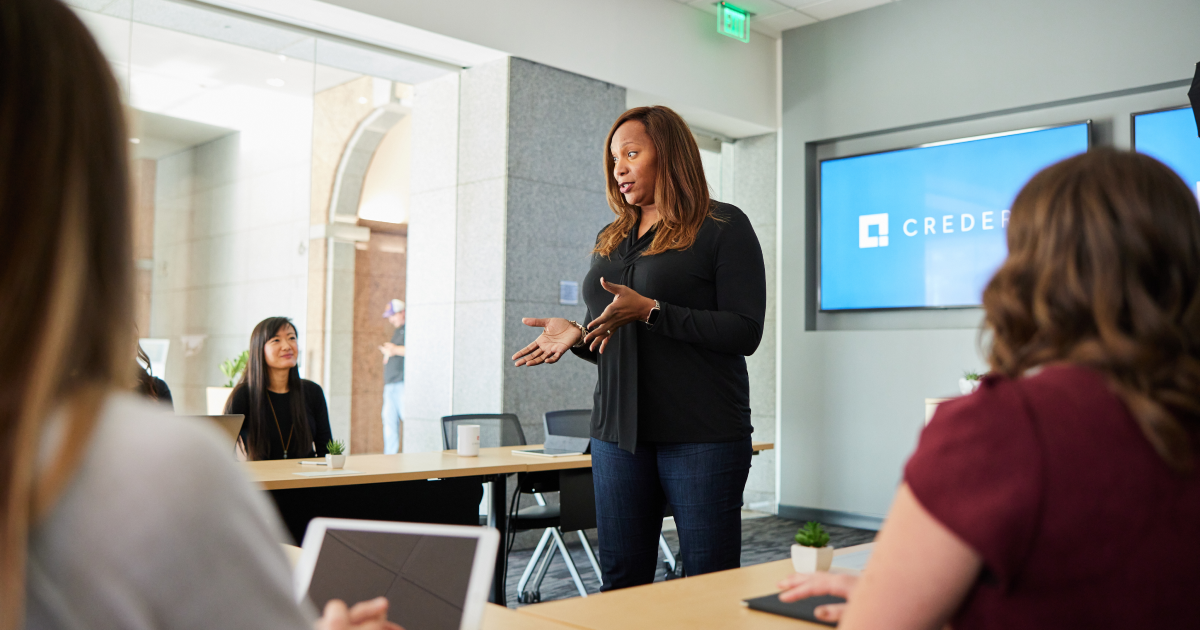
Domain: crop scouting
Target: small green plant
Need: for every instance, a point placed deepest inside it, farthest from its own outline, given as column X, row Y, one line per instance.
column 336, row 447
column 233, row 368
column 972, row 376
column 812, row 535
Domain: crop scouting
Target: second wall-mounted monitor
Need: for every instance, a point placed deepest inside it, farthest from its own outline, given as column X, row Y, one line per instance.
column 1170, row 136
column 925, row 227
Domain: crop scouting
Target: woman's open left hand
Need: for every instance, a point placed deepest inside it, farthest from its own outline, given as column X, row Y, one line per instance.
column 627, row 306
column 802, row 585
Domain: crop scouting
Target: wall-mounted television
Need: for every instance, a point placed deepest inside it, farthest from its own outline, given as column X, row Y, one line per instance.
column 1170, row 136
column 925, row 227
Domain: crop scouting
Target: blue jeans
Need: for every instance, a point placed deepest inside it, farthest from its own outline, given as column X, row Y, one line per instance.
column 703, row 483
column 393, row 399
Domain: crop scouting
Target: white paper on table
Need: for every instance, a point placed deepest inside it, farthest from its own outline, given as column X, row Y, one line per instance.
column 328, row 473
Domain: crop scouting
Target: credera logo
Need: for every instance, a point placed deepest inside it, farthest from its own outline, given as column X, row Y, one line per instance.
column 864, row 230
column 948, row 224
column 965, row 223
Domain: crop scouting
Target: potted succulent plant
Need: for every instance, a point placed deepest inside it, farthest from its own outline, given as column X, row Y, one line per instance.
column 215, row 397
column 969, row 382
column 336, row 457
column 812, row 552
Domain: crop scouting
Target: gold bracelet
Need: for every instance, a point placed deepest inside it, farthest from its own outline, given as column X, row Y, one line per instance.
column 583, row 333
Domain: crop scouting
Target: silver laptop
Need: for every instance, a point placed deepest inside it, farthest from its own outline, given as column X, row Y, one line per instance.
column 435, row 577
column 231, row 425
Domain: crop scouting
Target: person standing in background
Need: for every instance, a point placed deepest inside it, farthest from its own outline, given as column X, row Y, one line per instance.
column 393, row 378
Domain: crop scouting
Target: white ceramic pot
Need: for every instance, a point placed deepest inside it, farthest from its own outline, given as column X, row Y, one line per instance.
column 967, row 387
column 335, row 461
column 215, row 398
column 811, row 559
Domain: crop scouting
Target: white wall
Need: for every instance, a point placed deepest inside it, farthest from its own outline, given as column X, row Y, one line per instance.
column 429, row 287
column 748, row 174
column 851, row 399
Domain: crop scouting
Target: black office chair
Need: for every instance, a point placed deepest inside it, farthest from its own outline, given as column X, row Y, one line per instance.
column 574, row 423
column 495, row 429
column 504, row 429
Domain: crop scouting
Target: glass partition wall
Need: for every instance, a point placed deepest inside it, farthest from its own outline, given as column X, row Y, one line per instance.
column 271, row 178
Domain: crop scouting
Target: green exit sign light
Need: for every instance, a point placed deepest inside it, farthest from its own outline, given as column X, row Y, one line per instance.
column 733, row 21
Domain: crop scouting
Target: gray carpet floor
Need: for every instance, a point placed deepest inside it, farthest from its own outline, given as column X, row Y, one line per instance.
column 764, row 539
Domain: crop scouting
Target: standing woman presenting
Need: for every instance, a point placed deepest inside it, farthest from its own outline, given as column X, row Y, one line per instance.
column 676, row 297
column 286, row 416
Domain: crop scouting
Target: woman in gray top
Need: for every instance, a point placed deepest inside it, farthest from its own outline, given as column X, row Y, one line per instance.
column 112, row 513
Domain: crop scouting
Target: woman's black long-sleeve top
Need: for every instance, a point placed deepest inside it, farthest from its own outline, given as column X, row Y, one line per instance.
column 315, row 409
column 684, row 378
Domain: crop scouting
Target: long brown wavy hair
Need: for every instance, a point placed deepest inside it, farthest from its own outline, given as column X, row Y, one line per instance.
column 680, row 190
column 1103, row 271
column 66, row 263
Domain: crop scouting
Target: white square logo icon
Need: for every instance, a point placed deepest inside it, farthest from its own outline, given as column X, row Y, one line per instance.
column 864, row 230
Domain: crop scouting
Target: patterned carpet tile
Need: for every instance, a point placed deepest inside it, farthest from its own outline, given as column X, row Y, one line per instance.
column 764, row 539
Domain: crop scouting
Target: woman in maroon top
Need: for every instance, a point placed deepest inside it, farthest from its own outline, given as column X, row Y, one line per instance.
column 1065, row 492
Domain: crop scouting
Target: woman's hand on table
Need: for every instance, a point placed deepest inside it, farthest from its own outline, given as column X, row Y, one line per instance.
column 802, row 585
column 368, row 615
column 558, row 335
column 627, row 306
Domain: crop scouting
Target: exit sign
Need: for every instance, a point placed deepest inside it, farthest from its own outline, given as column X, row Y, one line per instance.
column 733, row 21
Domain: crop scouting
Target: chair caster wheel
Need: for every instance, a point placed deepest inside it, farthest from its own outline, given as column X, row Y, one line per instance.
column 529, row 597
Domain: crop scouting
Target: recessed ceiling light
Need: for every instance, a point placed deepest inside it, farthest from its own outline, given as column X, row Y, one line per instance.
column 362, row 100
column 275, row 82
column 283, row 57
column 135, row 140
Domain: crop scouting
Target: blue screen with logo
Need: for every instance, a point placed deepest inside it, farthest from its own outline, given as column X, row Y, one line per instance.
column 1170, row 137
column 925, row 227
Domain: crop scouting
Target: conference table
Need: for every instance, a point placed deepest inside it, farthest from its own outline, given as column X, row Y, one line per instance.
column 496, row 617
column 431, row 487
column 713, row 600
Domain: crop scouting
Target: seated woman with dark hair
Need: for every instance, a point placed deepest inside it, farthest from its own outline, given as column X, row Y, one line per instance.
column 286, row 416
column 1064, row 493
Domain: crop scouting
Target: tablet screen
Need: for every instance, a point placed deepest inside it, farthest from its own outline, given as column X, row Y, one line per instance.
column 425, row 578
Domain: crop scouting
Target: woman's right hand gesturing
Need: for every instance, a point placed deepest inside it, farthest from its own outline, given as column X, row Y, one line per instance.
column 558, row 335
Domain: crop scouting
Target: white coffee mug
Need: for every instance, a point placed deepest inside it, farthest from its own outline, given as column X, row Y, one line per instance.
column 468, row 440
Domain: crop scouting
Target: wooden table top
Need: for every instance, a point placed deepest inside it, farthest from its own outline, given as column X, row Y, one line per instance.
column 497, row 617
column 705, row 601
column 280, row 474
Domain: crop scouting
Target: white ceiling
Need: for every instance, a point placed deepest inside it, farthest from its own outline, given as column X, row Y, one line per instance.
column 396, row 35
column 772, row 17
column 252, row 33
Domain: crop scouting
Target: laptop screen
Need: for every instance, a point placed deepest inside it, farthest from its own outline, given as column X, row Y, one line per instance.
column 424, row 578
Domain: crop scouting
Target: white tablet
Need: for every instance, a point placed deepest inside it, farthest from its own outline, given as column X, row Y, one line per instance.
column 436, row 577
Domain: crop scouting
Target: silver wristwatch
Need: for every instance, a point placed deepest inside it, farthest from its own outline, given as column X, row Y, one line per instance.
column 652, row 316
